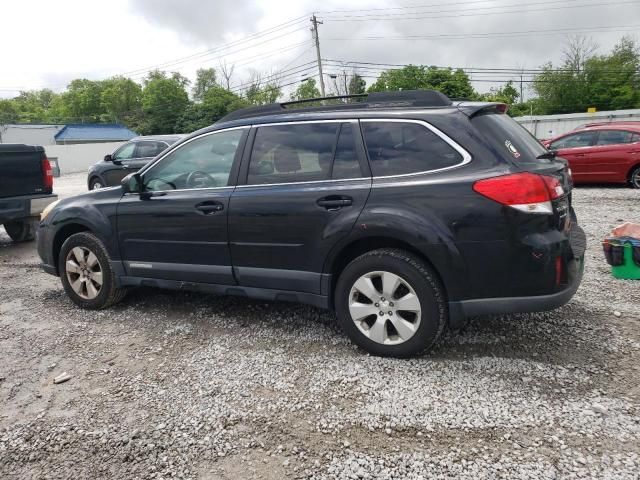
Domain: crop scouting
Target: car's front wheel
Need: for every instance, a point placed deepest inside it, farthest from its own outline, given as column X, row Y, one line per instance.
column 96, row 184
column 635, row 178
column 391, row 303
column 86, row 272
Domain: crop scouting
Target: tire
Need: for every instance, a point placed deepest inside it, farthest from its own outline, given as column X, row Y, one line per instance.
column 634, row 178
column 420, row 325
column 81, row 279
column 96, row 184
column 21, row 230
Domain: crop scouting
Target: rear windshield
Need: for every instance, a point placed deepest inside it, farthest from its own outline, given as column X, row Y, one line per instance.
column 507, row 135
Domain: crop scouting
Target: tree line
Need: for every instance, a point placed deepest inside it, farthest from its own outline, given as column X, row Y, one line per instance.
column 171, row 103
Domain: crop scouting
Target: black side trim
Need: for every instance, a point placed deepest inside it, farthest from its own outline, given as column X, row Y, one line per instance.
column 290, row 280
column 320, row 301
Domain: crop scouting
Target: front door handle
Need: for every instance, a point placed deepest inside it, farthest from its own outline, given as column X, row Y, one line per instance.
column 334, row 202
column 209, row 207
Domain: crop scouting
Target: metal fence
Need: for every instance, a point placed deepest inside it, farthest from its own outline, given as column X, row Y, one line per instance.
column 549, row 126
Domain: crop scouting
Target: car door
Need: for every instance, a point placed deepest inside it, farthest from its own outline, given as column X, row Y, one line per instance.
column 117, row 170
column 576, row 148
column 611, row 156
column 176, row 228
column 146, row 150
column 305, row 183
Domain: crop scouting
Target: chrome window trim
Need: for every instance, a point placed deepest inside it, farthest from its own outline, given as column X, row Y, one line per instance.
column 149, row 166
column 299, row 122
column 466, row 156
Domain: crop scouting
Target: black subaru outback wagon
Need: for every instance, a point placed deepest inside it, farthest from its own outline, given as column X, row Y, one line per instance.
column 405, row 212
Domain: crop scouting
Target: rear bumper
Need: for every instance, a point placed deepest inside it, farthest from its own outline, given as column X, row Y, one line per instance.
column 538, row 303
column 459, row 310
column 14, row 208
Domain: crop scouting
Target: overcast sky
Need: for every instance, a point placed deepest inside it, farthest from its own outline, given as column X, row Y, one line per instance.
column 45, row 43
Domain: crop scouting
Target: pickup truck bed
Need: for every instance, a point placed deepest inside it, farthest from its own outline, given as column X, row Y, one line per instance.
column 26, row 188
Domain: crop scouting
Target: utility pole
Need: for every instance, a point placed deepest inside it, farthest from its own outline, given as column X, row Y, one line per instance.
column 521, row 98
column 316, row 37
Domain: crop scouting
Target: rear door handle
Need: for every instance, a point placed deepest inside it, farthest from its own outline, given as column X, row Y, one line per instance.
column 334, row 202
column 210, row 207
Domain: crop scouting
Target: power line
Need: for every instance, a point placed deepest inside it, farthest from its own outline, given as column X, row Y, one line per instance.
column 453, row 36
column 458, row 13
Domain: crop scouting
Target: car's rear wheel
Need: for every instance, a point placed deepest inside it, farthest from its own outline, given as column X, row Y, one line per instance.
column 21, row 230
column 635, row 178
column 86, row 272
column 96, row 184
column 391, row 303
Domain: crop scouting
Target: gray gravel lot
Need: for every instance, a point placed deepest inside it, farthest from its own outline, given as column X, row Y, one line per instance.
column 174, row 384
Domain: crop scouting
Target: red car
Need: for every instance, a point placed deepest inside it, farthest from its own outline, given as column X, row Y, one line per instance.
column 601, row 152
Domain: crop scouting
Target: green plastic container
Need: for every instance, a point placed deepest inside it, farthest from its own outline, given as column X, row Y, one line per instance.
column 628, row 270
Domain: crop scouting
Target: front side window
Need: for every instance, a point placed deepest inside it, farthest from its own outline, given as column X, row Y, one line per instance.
column 614, row 137
column 125, row 152
column 149, row 149
column 204, row 162
column 399, row 148
column 577, row 140
column 292, row 153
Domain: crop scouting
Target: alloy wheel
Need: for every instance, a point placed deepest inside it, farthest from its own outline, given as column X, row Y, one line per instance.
column 385, row 307
column 96, row 185
column 635, row 178
column 84, row 272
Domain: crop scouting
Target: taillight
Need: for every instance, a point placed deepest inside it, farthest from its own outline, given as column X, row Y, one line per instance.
column 47, row 174
column 527, row 192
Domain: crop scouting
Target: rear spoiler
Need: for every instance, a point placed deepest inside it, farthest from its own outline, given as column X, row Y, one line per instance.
column 471, row 109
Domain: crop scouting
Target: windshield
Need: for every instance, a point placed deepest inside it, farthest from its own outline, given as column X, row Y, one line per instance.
column 508, row 135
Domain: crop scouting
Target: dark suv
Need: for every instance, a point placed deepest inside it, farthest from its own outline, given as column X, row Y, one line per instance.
column 404, row 212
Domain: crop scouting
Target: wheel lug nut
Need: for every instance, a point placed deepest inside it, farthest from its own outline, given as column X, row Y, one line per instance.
column 382, row 299
column 390, row 312
column 391, row 304
column 377, row 304
column 381, row 314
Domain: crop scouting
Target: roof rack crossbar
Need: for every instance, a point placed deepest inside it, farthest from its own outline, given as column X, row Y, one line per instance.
column 321, row 99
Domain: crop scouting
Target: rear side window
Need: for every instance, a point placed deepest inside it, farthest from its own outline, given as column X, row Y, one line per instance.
column 399, row 148
column 614, row 137
column 576, row 140
column 149, row 149
column 509, row 137
column 297, row 153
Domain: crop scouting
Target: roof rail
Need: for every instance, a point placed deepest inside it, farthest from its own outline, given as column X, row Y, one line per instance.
column 406, row 98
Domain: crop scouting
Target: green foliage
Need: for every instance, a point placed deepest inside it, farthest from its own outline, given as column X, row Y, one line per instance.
column 216, row 103
column 164, row 100
column 506, row 94
column 607, row 82
column 356, row 85
column 306, row 90
column 8, row 112
column 83, row 100
column 257, row 95
column 121, row 98
column 206, row 78
column 453, row 83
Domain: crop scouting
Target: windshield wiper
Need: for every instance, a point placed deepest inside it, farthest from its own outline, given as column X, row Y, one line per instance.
column 548, row 154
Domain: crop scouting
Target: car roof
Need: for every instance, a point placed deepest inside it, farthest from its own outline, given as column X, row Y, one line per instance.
column 401, row 104
column 170, row 138
column 635, row 126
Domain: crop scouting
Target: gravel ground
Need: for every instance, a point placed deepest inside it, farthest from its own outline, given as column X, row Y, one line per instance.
column 173, row 384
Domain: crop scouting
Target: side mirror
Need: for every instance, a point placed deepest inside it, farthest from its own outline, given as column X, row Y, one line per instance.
column 108, row 158
column 132, row 183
